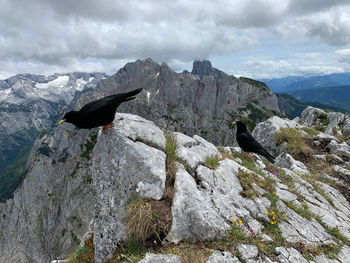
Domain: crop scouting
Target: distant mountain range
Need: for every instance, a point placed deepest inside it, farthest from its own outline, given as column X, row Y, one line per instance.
column 290, row 84
column 329, row 91
column 338, row 96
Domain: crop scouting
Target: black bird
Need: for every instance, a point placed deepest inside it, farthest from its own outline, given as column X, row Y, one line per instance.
column 99, row 112
column 247, row 142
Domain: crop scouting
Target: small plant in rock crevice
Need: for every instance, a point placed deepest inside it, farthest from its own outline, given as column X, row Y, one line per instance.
column 148, row 220
column 84, row 254
column 212, row 161
column 171, row 168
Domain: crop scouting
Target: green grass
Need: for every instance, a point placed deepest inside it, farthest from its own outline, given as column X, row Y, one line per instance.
column 84, row 254
column 129, row 251
column 311, row 132
column 212, row 161
column 254, row 82
column 293, row 138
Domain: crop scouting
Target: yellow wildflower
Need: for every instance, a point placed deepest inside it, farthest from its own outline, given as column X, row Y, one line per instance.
column 267, row 212
column 272, row 212
column 273, row 218
column 234, row 220
column 240, row 221
column 331, row 245
column 155, row 242
column 173, row 249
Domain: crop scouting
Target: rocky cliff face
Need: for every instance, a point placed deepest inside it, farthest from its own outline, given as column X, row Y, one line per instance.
column 31, row 103
column 297, row 211
column 204, row 102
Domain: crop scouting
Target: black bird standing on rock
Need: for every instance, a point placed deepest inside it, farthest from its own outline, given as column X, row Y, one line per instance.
column 99, row 112
column 247, row 142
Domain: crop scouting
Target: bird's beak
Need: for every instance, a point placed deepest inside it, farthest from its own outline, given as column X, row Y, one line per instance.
column 233, row 122
column 61, row 121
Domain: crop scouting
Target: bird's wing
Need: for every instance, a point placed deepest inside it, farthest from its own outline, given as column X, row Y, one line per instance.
column 248, row 142
column 111, row 101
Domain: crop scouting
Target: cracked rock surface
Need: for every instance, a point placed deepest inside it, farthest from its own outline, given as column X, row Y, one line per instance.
column 103, row 172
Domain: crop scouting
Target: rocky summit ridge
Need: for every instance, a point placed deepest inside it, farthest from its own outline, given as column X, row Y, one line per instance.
column 204, row 102
column 144, row 194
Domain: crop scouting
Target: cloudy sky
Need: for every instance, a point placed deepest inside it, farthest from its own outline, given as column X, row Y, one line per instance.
column 253, row 38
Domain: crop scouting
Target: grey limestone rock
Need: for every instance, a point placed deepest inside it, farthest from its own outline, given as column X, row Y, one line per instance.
column 343, row 256
column 194, row 150
column 204, row 209
column 284, row 194
column 122, row 169
column 334, row 118
column 248, row 251
column 289, row 255
column 285, row 160
column 51, row 210
column 326, row 137
column 344, row 173
column 298, row 229
column 139, row 129
column 342, row 149
column 222, row 257
column 338, row 200
column 154, row 258
column 196, row 103
column 265, row 131
column 320, row 157
column 329, row 215
column 194, row 215
column 333, row 158
column 31, row 103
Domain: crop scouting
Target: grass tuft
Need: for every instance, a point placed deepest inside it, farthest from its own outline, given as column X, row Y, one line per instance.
column 84, row 254
column 148, row 220
column 212, row 161
column 171, row 159
column 294, row 141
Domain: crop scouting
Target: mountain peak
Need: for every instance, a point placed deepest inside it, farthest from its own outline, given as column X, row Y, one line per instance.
column 204, row 68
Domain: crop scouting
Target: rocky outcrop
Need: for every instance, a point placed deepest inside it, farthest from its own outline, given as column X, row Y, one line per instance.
column 333, row 123
column 53, row 207
column 265, row 132
column 83, row 180
column 153, row 258
column 124, row 166
column 203, row 103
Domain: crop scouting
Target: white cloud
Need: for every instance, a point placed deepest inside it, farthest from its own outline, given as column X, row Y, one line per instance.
column 88, row 35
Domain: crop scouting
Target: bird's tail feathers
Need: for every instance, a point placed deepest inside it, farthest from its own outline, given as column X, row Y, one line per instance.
column 269, row 157
column 130, row 98
column 121, row 97
column 131, row 93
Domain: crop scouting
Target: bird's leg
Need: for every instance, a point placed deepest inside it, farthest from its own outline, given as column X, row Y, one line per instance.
column 247, row 154
column 107, row 127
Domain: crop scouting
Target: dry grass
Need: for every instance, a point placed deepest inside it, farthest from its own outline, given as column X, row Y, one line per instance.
column 148, row 220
